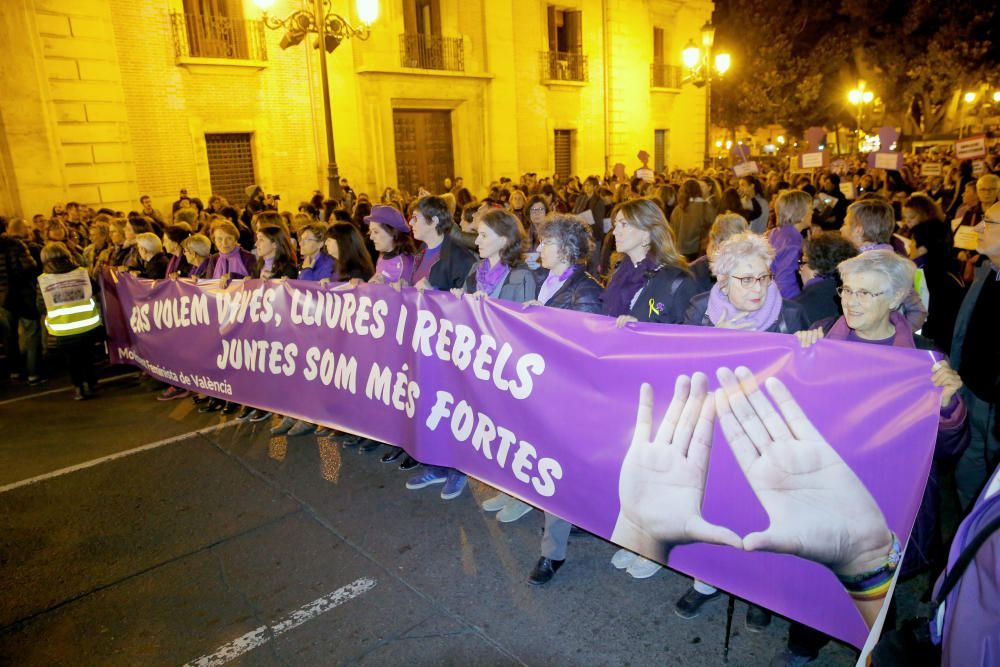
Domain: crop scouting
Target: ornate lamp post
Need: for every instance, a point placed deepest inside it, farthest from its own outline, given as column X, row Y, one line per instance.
column 859, row 97
column 699, row 62
column 330, row 29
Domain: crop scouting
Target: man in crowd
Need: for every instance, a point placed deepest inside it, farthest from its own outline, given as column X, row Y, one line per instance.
column 149, row 211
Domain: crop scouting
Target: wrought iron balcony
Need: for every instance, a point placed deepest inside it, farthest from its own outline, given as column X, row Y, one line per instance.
column 431, row 52
column 665, row 76
column 563, row 66
column 204, row 36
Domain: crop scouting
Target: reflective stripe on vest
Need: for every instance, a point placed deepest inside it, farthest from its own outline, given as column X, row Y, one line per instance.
column 69, row 303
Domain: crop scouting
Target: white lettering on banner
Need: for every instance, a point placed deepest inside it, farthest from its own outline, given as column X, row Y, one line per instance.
column 431, row 338
column 339, row 311
column 262, row 356
column 477, row 428
column 187, row 311
column 401, row 394
column 257, row 303
column 329, row 367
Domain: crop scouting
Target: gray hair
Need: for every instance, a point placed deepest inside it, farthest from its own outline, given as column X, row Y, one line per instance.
column 724, row 258
column 570, row 233
column 725, row 226
column 897, row 271
column 149, row 242
column 198, row 244
column 792, row 206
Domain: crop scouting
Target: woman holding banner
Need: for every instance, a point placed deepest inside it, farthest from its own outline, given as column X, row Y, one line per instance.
column 564, row 247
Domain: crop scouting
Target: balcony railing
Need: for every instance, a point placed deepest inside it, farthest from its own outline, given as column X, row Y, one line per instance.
column 562, row 66
column 665, row 76
column 431, row 52
column 203, row 36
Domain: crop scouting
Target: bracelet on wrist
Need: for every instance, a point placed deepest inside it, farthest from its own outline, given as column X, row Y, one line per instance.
column 874, row 584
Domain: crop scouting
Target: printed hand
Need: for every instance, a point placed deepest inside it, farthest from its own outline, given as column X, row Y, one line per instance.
column 945, row 376
column 818, row 507
column 622, row 320
column 662, row 480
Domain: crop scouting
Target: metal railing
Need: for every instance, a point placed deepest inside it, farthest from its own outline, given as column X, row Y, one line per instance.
column 563, row 66
column 665, row 76
column 431, row 52
column 204, row 36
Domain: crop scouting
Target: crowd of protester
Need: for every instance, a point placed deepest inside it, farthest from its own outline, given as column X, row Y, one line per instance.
column 865, row 256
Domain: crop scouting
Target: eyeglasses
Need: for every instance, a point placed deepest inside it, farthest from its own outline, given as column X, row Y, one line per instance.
column 537, row 209
column 863, row 296
column 750, row 281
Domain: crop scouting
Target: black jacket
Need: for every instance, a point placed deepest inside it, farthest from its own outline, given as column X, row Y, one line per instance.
column 820, row 301
column 156, row 267
column 665, row 297
column 581, row 292
column 792, row 318
column 452, row 266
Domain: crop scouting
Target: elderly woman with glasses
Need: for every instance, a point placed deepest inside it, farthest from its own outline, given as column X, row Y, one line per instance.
column 744, row 297
column 875, row 283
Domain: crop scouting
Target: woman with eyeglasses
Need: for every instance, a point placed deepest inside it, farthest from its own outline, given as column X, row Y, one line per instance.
column 744, row 297
column 875, row 283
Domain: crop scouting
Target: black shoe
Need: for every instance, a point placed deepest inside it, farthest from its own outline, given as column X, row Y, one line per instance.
column 544, row 570
column 392, row 455
column 409, row 463
column 244, row 413
column 757, row 618
column 258, row 416
column 230, row 407
column 200, row 399
column 689, row 606
column 350, row 440
column 213, row 405
column 368, row 445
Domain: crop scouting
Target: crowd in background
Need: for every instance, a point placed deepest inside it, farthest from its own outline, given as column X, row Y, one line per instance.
column 865, row 255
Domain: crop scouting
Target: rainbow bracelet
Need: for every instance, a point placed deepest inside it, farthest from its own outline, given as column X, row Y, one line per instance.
column 874, row 584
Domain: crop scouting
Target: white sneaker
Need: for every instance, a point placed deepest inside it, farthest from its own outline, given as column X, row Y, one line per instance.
column 643, row 568
column 496, row 503
column 623, row 558
column 512, row 511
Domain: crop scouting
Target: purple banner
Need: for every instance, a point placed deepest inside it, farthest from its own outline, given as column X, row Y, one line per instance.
column 796, row 469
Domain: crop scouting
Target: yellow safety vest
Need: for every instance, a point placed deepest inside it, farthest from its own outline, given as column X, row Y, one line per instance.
column 69, row 302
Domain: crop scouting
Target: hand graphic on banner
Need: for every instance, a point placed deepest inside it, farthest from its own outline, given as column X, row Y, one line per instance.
column 662, row 481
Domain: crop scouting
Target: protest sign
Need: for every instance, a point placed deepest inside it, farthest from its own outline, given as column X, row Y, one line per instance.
column 930, row 169
column 971, row 148
column 966, row 238
column 563, row 410
column 745, row 169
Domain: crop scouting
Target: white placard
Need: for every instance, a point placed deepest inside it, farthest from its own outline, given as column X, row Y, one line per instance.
column 966, row 238
column 968, row 149
column 812, row 160
column 978, row 168
column 930, row 169
column 887, row 161
column 745, row 169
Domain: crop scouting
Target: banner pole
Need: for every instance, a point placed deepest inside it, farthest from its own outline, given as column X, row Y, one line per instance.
column 729, row 628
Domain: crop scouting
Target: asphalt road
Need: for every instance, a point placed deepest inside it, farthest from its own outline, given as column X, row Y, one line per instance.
column 225, row 543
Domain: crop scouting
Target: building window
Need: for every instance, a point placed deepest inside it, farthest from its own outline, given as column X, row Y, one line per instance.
column 216, row 29
column 661, row 146
column 564, row 61
column 663, row 74
column 422, row 45
column 230, row 165
column 563, row 153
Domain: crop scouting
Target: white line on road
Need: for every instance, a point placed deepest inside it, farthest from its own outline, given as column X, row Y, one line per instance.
column 59, row 390
column 266, row 633
column 116, row 455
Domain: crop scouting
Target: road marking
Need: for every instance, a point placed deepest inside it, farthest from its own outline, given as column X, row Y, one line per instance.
column 117, row 455
column 265, row 633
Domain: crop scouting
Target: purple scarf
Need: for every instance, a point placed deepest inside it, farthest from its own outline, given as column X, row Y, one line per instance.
column 553, row 283
column 761, row 319
column 629, row 278
column 489, row 279
column 231, row 263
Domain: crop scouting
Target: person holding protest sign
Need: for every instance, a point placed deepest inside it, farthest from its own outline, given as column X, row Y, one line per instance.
column 442, row 264
column 231, row 261
column 345, row 244
column 874, row 284
column 152, row 260
column 197, row 251
column 390, row 234
column 316, row 263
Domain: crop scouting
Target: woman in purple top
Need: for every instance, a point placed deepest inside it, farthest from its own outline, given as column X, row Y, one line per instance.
column 231, row 260
column 389, row 232
column 793, row 212
column 197, row 251
column 173, row 237
column 316, row 264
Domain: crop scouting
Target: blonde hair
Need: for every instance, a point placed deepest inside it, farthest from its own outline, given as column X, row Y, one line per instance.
column 647, row 216
column 792, row 206
column 198, row 244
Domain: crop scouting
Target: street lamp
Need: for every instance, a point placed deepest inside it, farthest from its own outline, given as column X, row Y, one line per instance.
column 969, row 98
column 330, row 29
column 700, row 67
column 859, row 97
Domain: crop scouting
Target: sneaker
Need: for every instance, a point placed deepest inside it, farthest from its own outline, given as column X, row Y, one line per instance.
column 643, row 568
column 80, row 395
column 513, row 510
column 426, row 478
column 689, row 606
column 368, row 445
column 788, row 659
column 244, row 413
column 757, row 619
column 212, row 405
column 258, row 416
column 228, row 407
column 544, row 570
column 392, row 455
column 349, row 440
column 496, row 503
column 170, row 393
column 283, row 427
column 623, row 558
column 323, row 431
column 409, row 463
column 301, row 428
column 35, row 380
column 454, row 485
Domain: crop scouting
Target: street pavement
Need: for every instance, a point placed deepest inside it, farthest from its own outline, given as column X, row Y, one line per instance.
column 225, row 543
